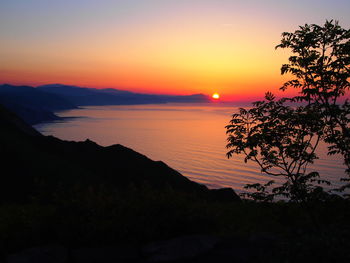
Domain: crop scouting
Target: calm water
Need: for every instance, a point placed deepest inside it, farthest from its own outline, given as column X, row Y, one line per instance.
column 190, row 139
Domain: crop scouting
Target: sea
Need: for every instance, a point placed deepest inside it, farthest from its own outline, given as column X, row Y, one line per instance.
column 190, row 138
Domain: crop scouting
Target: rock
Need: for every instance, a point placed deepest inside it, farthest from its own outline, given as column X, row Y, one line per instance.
column 105, row 255
column 47, row 254
column 228, row 250
column 264, row 239
column 225, row 195
column 181, row 248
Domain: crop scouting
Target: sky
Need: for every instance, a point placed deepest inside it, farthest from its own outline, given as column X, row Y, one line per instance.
column 155, row 46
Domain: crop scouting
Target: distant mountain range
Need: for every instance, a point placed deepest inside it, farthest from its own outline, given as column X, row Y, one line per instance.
column 81, row 96
column 38, row 104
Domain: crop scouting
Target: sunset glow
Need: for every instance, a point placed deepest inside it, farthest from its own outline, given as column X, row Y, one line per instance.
column 216, row 96
column 163, row 47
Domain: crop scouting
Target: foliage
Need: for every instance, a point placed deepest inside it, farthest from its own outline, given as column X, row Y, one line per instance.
column 282, row 136
column 282, row 140
column 321, row 67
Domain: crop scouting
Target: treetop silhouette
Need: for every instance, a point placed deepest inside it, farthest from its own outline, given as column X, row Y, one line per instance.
column 282, row 136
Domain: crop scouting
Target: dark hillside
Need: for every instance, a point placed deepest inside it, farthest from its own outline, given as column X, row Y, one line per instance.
column 31, row 157
column 31, row 104
column 33, row 98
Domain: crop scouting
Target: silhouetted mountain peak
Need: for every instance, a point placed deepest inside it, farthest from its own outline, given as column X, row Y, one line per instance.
column 58, row 85
column 15, row 88
column 115, row 91
column 111, row 96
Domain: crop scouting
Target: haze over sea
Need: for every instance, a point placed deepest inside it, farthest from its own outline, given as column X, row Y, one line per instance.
column 189, row 138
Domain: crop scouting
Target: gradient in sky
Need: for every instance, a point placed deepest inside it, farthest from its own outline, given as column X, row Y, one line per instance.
column 155, row 46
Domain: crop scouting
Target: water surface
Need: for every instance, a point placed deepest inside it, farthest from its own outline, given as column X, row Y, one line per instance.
column 189, row 138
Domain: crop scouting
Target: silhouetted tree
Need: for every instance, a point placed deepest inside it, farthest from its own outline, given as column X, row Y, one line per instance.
column 321, row 66
column 283, row 139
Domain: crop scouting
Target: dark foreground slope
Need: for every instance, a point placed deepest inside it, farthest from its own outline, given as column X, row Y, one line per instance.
column 73, row 202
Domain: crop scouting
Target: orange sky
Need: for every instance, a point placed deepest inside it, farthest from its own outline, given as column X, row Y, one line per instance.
column 168, row 47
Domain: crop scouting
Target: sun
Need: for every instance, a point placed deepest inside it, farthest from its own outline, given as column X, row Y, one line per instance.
column 216, row 96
